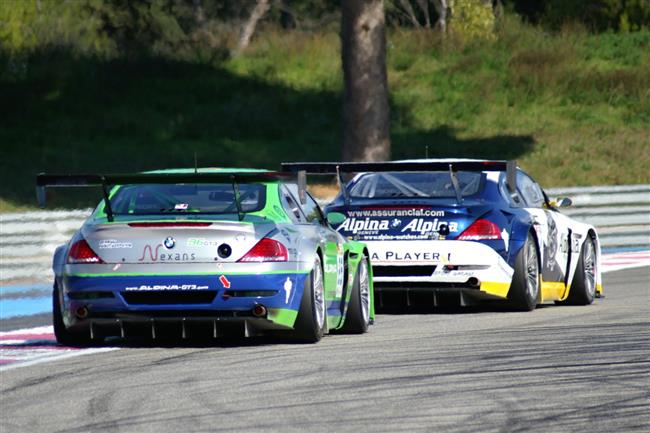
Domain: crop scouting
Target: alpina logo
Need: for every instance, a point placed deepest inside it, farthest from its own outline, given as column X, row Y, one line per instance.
column 355, row 225
column 417, row 225
column 422, row 226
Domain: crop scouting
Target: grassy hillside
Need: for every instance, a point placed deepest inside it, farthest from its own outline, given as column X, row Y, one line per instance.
column 572, row 108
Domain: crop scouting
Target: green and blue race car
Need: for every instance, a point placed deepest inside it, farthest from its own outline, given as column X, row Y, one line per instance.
column 215, row 252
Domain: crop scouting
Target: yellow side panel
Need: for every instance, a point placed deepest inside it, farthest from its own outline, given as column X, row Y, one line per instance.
column 496, row 289
column 553, row 290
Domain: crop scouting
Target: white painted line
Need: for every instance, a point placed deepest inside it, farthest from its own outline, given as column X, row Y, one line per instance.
column 17, row 349
column 51, row 358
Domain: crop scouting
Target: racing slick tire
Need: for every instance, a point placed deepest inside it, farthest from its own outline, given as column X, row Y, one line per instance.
column 583, row 287
column 63, row 335
column 525, row 286
column 312, row 317
column 357, row 317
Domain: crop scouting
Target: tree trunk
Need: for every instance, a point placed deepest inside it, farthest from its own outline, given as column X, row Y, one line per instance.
column 424, row 7
column 260, row 9
column 441, row 8
column 199, row 15
column 287, row 17
column 410, row 13
column 366, row 133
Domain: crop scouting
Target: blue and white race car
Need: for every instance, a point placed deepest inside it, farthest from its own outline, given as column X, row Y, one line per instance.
column 459, row 231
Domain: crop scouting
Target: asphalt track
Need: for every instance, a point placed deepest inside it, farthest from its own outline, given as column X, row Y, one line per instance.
column 557, row 369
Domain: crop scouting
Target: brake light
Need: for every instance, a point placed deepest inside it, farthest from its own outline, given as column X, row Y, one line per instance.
column 480, row 230
column 80, row 252
column 267, row 250
column 170, row 224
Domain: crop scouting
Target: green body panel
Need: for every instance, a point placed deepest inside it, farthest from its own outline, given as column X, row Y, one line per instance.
column 353, row 251
column 282, row 316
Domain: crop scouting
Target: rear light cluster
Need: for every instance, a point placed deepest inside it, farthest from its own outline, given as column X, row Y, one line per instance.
column 267, row 250
column 80, row 252
column 169, row 224
column 481, row 230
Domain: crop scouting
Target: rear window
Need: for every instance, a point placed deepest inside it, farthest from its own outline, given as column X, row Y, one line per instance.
column 434, row 184
column 186, row 198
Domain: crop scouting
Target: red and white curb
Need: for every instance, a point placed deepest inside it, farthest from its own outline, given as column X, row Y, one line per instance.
column 24, row 347
column 618, row 261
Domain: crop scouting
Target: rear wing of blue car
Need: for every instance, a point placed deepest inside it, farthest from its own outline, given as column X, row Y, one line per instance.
column 45, row 180
column 453, row 166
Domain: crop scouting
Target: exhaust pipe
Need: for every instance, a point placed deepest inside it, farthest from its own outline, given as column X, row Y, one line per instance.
column 81, row 312
column 259, row 310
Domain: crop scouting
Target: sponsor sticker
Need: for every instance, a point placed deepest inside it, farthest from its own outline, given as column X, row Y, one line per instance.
column 395, row 228
column 412, row 256
column 288, row 286
column 114, row 244
column 201, row 242
column 340, row 270
column 155, row 255
column 224, row 281
column 373, row 213
column 163, row 287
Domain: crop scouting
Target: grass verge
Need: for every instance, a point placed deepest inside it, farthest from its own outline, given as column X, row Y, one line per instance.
column 573, row 108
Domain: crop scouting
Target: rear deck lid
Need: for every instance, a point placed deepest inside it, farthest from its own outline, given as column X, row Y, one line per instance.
column 174, row 242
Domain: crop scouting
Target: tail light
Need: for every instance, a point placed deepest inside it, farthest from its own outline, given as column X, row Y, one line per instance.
column 480, row 230
column 80, row 252
column 267, row 250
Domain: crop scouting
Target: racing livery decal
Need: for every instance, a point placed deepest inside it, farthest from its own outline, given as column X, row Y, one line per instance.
column 396, row 228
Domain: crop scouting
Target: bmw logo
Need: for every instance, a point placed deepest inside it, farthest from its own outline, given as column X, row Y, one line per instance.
column 169, row 242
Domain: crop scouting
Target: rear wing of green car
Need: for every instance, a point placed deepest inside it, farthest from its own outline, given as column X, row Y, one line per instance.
column 46, row 180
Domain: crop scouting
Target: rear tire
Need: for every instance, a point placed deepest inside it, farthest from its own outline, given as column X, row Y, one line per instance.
column 312, row 317
column 63, row 335
column 583, row 287
column 525, row 286
column 357, row 317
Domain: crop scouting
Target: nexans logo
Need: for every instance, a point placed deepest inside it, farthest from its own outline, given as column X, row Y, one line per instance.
column 155, row 255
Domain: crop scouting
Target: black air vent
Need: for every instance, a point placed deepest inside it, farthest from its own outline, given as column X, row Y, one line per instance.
column 403, row 271
column 165, row 297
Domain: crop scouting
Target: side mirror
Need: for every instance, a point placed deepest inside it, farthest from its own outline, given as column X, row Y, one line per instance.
column 335, row 218
column 561, row 202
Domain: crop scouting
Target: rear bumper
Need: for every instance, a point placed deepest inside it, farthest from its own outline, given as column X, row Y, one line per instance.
column 208, row 324
column 214, row 300
column 471, row 269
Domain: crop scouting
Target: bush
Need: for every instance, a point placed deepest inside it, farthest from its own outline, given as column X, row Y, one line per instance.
column 473, row 19
column 597, row 15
